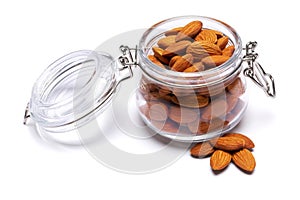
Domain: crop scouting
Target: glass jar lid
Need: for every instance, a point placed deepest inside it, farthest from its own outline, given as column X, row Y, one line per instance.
column 73, row 90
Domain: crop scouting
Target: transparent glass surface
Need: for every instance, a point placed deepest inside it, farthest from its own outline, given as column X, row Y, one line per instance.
column 72, row 91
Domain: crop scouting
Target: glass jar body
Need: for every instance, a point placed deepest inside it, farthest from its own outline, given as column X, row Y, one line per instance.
column 191, row 106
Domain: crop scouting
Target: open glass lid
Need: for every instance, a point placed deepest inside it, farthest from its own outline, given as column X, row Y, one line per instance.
column 78, row 87
column 72, row 91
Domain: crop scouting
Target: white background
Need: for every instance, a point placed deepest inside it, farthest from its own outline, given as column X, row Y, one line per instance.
column 35, row 33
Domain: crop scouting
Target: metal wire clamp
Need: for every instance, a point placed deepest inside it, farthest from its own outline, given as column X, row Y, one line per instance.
column 255, row 71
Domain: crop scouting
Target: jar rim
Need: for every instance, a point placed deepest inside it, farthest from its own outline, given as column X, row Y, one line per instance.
column 152, row 69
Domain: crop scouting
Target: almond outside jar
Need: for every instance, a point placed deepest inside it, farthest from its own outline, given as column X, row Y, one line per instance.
column 199, row 105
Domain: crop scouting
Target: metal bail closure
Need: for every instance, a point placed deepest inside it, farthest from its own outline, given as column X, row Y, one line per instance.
column 256, row 72
column 128, row 59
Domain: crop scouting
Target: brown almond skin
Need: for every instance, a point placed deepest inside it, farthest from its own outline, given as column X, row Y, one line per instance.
column 245, row 160
column 230, row 143
column 155, row 111
column 191, row 101
column 182, row 115
column 189, row 31
column 216, row 108
column 196, row 67
column 166, row 41
column 168, row 126
column 222, row 42
column 207, row 35
column 202, row 150
column 204, row 127
column 173, row 60
column 198, row 128
column 218, row 33
column 177, row 48
column 249, row 144
column 199, row 66
column 158, row 53
column 228, row 51
column 182, row 63
column 164, row 90
column 236, row 88
column 156, row 61
column 220, row 160
column 201, row 47
column 213, row 61
column 191, row 69
column 158, row 111
column 231, row 102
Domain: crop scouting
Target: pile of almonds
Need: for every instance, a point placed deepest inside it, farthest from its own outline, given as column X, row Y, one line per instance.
column 191, row 110
column 233, row 147
column 191, row 49
column 173, row 110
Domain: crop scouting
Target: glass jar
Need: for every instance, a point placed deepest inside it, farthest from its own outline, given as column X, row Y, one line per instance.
column 189, row 107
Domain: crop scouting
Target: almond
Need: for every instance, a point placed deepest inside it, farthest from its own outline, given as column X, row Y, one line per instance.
column 216, row 109
column 177, row 48
column 173, row 31
column 202, row 150
column 229, row 143
column 248, row 142
column 244, row 160
column 236, row 88
column 199, row 66
column 196, row 67
column 213, row 61
column 205, row 127
column 207, row 35
column 173, row 60
column 167, row 97
column 203, row 48
column 181, row 92
column 166, row 41
column 158, row 53
column 216, row 124
column 152, row 87
column 191, row 101
column 189, row 31
column 164, row 90
column 167, row 126
column 155, row 61
column 198, row 128
column 156, row 111
column 231, row 102
column 182, row 63
column 191, row 69
column 220, row 160
column 182, row 115
column 222, row 42
column 228, row 51
column 218, row 33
